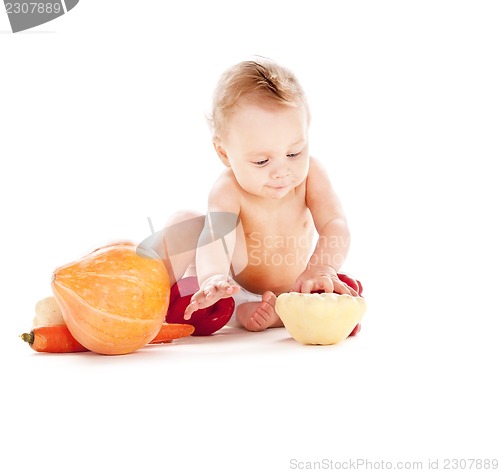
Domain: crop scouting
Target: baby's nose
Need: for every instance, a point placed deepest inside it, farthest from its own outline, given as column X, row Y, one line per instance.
column 280, row 171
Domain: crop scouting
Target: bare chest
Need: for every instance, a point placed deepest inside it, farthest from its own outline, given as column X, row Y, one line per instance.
column 276, row 245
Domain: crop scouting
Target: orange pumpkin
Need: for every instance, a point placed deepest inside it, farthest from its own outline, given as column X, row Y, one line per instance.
column 113, row 300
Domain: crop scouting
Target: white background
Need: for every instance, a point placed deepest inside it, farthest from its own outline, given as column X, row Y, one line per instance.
column 102, row 126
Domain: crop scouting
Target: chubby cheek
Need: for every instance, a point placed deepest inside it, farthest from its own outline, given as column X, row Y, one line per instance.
column 251, row 181
column 301, row 169
column 246, row 177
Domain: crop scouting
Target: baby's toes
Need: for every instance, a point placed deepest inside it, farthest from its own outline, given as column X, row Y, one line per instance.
column 256, row 322
column 269, row 298
column 260, row 318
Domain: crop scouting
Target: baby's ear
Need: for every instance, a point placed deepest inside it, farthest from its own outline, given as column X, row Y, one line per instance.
column 221, row 152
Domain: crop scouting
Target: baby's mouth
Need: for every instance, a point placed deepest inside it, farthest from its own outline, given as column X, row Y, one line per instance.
column 281, row 186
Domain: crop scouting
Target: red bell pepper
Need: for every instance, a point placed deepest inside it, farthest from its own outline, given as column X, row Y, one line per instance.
column 205, row 321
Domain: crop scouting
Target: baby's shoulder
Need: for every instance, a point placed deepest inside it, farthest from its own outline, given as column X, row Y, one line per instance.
column 315, row 167
column 318, row 180
column 225, row 194
column 225, row 182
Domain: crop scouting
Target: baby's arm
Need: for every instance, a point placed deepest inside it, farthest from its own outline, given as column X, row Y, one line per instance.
column 334, row 238
column 215, row 247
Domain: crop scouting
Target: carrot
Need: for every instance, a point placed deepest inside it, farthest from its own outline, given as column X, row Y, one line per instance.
column 53, row 339
column 58, row 339
column 169, row 332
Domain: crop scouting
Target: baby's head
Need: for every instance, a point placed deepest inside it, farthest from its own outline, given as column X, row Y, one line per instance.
column 261, row 81
column 260, row 120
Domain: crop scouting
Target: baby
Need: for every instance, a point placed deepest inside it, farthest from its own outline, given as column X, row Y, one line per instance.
column 289, row 231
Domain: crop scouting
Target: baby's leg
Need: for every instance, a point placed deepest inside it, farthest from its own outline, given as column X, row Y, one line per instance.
column 257, row 316
column 177, row 242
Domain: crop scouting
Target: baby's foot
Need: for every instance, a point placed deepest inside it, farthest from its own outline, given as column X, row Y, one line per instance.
column 257, row 316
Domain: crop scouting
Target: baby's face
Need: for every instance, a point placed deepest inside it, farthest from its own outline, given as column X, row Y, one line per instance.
column 267, row 148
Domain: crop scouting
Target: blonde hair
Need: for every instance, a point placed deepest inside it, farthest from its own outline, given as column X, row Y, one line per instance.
column 261, row 79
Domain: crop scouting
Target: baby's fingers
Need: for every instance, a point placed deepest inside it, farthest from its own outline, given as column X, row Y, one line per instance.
column 341, row 288
column 192, row 307
column 209, row 296
column 198, row 301
column 221, row 289
column 323, row 283
column 228, row 288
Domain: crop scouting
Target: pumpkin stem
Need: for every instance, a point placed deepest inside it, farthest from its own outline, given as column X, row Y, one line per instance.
column 28, row 337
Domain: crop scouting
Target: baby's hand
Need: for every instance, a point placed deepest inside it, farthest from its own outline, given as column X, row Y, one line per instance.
column 211, row 290
column 321, row 278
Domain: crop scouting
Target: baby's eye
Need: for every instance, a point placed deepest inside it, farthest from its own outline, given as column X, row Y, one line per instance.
column 293, row 155
column 261, row 163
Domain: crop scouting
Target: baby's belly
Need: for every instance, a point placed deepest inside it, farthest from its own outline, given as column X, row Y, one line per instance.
column 274, row 263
